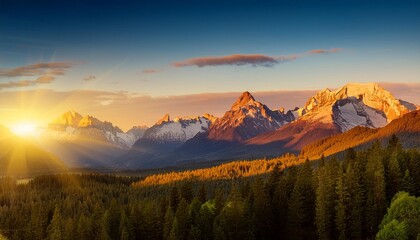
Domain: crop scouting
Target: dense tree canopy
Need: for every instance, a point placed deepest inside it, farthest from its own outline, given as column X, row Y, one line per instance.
column 288, row 199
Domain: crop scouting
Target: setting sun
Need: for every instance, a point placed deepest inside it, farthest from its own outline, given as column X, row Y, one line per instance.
column 24, row 129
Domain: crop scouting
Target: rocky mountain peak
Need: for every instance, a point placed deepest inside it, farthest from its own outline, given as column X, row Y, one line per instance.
column 210, row 117
column 164, row 119
column 69, row 118
column 243, row 100
column 371, row 94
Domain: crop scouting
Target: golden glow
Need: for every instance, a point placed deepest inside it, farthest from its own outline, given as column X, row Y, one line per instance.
column 24, row 129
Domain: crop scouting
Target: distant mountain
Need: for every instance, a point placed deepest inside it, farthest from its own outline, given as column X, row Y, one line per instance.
column 332, row 112
column 180, row 129
column 163, row 137
column 406, row 128
column 355, row 104
column 20, row 157
column 325, row 114
column 85, row 141
column 71, row 125
column 246, row 119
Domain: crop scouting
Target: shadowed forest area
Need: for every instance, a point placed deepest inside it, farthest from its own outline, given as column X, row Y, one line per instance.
column 329, row 199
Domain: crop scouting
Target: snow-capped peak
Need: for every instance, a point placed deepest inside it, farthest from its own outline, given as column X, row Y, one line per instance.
column 371, row 94
column 178, row 130
column 355, row 104
column 71, row 125
column 247, row 118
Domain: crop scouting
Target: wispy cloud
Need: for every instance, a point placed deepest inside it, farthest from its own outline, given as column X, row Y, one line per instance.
column 42, row 72
column 151, row 71
column 248, row 59
column 236, row 59
column 89, row 78
column 26, row 83
column 52, row 68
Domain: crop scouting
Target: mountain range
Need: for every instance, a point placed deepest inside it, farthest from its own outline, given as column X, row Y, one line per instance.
column 331, row 121
column 249, row 129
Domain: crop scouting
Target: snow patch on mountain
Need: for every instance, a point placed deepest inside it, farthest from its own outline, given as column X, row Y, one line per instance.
column 355, row 104
column 246, row 119
column 180, row 129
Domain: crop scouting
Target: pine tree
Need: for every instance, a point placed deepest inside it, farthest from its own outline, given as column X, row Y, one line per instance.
column 125, row 228
column 202, row 193
column 195, row 211
column 206, row 218
column 281, row 200
column 273, row 181
column 168, row 222
column 357, row 198
column 343, row 201
column 55, row 229
column 262, row 207
column 186, row 191
column 375, row 184
column 230, row 224
column 38, row 223
column 302, row 205
column 408, row 184
column 183, row 220
column 97, row 220
column 113, row 220
column 71, row 230
column 84, row 228
column 324, row 203
column 394, row 175
column 174, row 198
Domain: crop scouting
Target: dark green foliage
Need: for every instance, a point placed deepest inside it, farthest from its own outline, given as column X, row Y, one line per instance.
column 328, row 199
column 402, row 220
column 408, row 184
column 301, row 211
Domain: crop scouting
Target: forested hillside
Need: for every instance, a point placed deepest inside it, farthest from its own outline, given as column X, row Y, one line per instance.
column 406, row 128
column 329, row 199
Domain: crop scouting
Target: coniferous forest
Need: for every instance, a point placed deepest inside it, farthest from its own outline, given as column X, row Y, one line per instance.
column 368, row 194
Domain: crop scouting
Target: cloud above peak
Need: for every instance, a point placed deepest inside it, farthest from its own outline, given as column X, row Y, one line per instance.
column 248, row 59
column 235, row 59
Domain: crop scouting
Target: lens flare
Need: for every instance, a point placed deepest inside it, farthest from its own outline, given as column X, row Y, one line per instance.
column 24, row 129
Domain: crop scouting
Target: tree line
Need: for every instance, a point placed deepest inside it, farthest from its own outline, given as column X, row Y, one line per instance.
column 326, row 199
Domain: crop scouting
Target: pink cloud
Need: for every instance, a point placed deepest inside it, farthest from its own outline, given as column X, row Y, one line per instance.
column 320, row 51
column 248, row 59
column 52, row 68
column 236, row 59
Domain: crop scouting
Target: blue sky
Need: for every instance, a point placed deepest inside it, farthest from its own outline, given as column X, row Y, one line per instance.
column 132, row 45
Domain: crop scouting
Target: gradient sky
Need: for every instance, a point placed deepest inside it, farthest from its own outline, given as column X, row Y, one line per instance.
column 182, row 48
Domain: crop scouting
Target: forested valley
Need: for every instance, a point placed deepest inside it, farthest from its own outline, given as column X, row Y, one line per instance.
column 369, row 194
